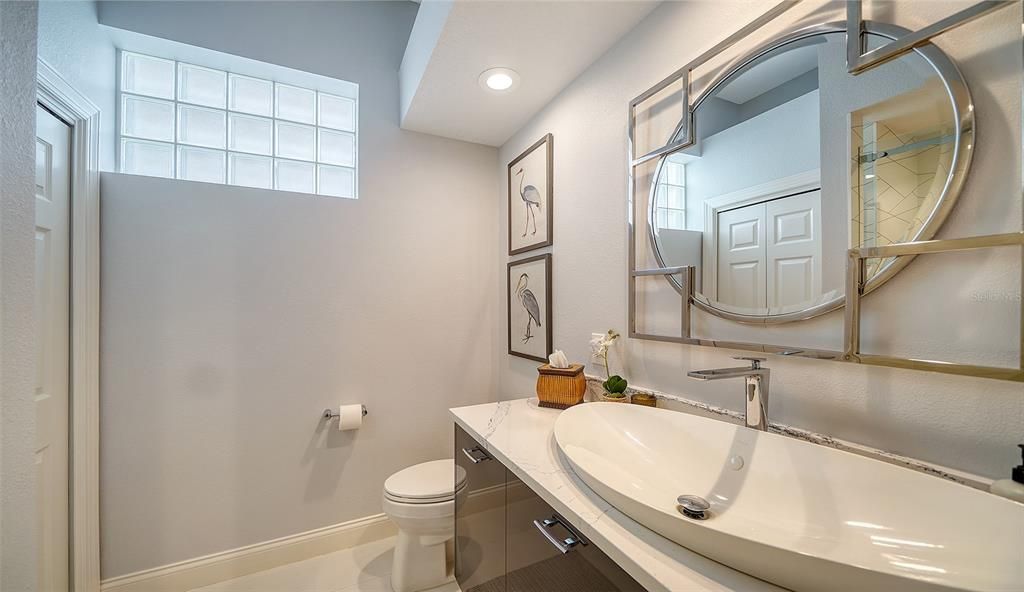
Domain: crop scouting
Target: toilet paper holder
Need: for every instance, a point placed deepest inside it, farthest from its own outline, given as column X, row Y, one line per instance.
column 330, row 414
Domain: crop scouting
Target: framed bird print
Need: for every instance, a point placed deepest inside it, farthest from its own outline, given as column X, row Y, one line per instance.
column 529, row 308
column 529, row 198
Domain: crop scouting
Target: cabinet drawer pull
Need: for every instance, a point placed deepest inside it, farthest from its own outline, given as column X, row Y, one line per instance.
column 476, row 454
column 564, row 545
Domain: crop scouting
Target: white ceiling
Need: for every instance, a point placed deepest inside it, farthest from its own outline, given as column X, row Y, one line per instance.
column 548, row 43
column 770, row 74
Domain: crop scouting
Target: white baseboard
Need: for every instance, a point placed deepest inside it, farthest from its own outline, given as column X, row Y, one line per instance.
column 210, row 569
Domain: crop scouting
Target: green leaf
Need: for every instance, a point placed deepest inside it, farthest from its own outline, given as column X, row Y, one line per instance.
column 615, row 384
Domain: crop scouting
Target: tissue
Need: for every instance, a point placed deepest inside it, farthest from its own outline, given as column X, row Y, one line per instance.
column 558, row 359
column 350, row 417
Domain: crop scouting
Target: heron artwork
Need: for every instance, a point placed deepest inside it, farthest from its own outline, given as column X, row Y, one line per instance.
column 531, row 199
column 529, row 302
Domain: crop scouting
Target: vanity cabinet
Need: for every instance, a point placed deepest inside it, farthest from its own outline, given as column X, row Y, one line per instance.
column 507, row 539
column 479, row 517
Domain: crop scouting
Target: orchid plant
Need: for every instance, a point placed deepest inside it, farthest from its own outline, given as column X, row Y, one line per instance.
column 615, row 385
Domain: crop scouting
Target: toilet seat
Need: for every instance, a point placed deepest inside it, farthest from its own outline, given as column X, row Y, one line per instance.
column 426, row 483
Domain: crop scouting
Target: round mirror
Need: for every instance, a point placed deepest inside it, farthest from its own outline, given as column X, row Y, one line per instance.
column 794, row 161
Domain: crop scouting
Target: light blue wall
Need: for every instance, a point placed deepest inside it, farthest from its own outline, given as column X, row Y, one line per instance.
column 81, row 51
column 778, row 143
column 231, row 316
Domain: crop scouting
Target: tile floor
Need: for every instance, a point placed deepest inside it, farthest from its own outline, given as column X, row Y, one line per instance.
column 366, row 568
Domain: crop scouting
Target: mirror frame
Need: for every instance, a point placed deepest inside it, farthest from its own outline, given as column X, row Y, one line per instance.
column 963, row 152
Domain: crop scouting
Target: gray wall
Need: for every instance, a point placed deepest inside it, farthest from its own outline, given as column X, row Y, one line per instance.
column 356, row 41
column 780, row 95
column 231, row 317
column 948, row 307
column 17, row 334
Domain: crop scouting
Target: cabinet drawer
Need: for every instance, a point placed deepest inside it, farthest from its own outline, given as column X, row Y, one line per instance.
column 545, row 552
column 507, row 539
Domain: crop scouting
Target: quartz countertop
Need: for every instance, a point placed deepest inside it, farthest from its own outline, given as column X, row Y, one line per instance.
column 520, row 434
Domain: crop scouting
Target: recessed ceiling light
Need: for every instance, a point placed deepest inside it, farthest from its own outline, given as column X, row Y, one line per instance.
column 499, row 79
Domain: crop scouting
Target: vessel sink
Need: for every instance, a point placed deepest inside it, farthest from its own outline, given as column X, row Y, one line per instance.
column 800, row 515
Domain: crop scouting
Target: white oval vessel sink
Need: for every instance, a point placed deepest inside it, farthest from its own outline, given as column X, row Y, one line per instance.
column 800, row 515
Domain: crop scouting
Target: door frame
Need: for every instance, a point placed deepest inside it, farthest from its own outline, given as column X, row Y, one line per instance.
column 800, row 182
column 61, row 98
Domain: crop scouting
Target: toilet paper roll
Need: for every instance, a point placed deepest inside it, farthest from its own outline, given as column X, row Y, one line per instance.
column 350, row 417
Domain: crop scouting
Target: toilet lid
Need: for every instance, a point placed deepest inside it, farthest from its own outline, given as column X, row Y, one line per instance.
column 426, row 481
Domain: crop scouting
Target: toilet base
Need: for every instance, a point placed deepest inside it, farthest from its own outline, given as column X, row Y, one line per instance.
column 421, row 562
column 419, row 501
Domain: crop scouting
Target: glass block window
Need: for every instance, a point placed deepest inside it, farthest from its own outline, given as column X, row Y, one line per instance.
column 184, row 121
column 670, row 200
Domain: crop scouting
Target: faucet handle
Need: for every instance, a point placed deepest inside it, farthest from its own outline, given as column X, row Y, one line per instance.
column 755, row 363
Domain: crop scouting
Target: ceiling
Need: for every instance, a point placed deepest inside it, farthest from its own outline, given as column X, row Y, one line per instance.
column 770, row 74
column 548, row 43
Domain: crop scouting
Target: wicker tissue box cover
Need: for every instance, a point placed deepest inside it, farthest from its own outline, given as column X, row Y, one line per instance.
column 560, row 388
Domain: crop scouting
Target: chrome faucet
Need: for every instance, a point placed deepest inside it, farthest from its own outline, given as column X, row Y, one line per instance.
column 756, row 391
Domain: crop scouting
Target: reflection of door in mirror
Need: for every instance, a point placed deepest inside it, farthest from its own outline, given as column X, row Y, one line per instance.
column 741, row 255
column 769, row 253
column 793, row 260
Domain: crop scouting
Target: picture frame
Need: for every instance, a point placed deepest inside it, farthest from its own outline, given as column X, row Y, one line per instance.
column 530, row 197
column 529, row 308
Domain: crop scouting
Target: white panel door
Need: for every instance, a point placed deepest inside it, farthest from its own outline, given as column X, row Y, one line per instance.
column 52, row 312
column 794, row 249
column 741, row 257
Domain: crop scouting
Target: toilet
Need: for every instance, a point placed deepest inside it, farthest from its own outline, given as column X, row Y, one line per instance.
column 421, row 501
